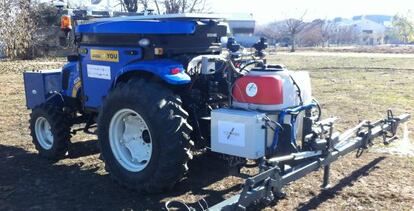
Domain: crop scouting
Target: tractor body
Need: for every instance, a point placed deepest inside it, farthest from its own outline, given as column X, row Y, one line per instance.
column 160, row 87
column 110, row 50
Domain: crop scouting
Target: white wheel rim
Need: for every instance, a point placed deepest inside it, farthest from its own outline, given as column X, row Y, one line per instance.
column 44, row 133
column 130, row 140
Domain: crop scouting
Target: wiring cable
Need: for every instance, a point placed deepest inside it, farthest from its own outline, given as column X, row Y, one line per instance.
column 318, row 106
column 180, row 205
column 299, row 91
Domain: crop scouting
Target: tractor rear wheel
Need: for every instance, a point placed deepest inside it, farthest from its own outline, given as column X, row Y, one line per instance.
column 50, row 131
column 144, row 136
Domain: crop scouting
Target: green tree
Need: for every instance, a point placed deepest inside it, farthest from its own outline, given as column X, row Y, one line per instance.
column 404, row 28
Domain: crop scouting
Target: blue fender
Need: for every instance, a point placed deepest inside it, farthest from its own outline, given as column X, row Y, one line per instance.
column 74, row 82
column 161, row 68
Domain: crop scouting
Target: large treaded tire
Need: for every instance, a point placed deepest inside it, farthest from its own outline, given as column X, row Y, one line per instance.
column 60, row 128
column 170, row 133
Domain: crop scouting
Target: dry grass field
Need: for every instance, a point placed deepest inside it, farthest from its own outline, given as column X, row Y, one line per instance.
column 352, row 88
column 390, row 49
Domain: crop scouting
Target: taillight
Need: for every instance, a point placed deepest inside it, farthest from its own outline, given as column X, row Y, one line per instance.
column 175, row 71
column 65, row 22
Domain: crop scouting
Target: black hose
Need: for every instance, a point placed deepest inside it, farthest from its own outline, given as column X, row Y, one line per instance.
column 248, row 64
column 299, row 91
column 233, row 68
column 318, row 106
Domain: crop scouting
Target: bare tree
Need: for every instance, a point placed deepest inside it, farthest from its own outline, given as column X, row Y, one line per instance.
column 145, row 4
column 166, row 6
column 293, row 26
column 157, row 6
column 17, row 30
column 311, row 34
column 346, row 35
column 183, row 6
column 274, row 31
column 328, row 29
column 316, row 33
column 172, row 6
column 129, row 5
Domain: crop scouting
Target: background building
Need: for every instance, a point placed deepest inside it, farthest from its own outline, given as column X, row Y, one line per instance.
column 242, row 27
column 368, row 32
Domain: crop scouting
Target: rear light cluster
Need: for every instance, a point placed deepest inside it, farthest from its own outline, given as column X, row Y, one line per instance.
column 175, row 71
column 66, row 22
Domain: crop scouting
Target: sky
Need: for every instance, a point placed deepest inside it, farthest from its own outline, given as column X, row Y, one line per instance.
column 269, row 10
column 265, row 11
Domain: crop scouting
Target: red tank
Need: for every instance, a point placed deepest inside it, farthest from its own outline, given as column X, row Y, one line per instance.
column 259, row 89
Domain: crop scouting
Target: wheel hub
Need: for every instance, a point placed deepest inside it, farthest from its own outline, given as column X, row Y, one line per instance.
column 130, row 140
column 44, row 133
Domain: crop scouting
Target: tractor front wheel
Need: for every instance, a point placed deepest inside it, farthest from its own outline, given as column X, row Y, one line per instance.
column 144, row 136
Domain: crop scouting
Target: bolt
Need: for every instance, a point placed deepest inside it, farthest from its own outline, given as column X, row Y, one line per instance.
column 122, row 141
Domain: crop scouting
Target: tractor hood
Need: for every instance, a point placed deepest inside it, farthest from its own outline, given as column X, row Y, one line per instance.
column 120, row 26
column 174, row 35
column 150, row 24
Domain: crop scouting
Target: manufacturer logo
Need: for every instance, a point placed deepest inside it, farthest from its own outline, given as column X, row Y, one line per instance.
column 231, row 133
column 104, row 55
column 251, row 89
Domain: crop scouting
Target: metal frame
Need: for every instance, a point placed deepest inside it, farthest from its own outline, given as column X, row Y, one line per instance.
column 281, row 117
column 267, row 185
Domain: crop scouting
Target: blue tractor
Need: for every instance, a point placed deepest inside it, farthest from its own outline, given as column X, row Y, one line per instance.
column 159, row 87
column 129, row 77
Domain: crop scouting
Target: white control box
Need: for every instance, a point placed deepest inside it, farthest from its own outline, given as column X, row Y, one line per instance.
column 238, row 133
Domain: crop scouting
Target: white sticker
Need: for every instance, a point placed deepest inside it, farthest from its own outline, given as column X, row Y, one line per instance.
column 251, row 89
column 98, row 71
column 231, row 133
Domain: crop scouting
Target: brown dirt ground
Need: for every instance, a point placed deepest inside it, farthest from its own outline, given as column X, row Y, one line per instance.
column 79, row 182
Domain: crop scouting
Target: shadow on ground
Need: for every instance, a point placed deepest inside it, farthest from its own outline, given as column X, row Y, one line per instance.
column 344, row 182
column 28, row 182
column 330, row 193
